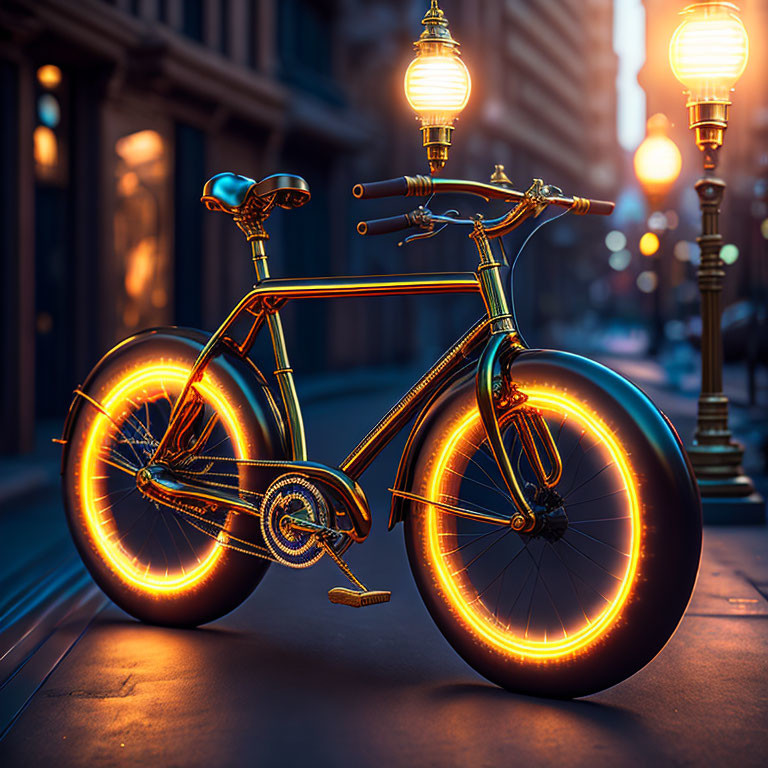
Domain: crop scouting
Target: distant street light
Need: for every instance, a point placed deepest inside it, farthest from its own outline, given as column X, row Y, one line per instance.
column 657, row 161
column 657, row 164
column 708, row 53
column 437, row 85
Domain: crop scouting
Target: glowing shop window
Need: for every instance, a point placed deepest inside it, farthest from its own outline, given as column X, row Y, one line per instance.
column 141, row 230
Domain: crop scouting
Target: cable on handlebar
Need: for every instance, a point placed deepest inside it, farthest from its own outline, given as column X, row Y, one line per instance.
column 514, row 264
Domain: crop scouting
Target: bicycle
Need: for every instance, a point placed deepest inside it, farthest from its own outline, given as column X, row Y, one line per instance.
column 551, row 517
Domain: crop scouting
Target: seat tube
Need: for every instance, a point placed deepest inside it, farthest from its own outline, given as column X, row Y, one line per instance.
column 283, row 370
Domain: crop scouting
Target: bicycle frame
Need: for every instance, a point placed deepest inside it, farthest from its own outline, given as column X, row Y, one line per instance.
column 263, row 303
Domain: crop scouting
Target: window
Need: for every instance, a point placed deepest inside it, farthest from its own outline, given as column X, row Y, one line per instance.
column 141, row 229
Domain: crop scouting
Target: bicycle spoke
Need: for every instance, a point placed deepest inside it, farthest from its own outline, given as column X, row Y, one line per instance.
column 533, row 591
column 474, row 541
column 591, row 560
column 600, row 541
column 506, row 496
column 597, row 498
column 599, row 471
column 489, row 547
column 573, row 584
column 598, row 520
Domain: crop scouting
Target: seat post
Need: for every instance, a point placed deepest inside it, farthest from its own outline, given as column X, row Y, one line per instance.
column 253, row 228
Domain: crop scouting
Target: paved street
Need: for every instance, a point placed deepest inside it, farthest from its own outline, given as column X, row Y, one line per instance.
column 289, row 679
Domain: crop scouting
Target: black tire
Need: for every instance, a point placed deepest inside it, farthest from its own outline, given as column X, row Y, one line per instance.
column 662, row 556
column 223, row 578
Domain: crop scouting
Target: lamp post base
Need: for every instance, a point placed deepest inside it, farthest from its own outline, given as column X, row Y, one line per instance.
column 728, row 496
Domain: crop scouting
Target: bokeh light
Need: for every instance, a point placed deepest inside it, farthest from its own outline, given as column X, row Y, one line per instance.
column 729, row 253
column 49, row 76
column 647, row 281
column 615, row 240
column 649, row 244
column 619, row 260
column 657, row 221
column 682, row 250
column 48, row 110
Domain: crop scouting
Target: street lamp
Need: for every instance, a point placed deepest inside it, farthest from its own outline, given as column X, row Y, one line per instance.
column 657, row 161
column 657, row 164
column 708, row 53
column 437, row 85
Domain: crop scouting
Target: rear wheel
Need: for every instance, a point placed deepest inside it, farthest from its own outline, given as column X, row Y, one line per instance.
column 597, row 592
column 159, row 564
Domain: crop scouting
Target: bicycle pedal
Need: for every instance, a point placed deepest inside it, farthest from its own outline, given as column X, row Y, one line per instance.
column 355, row 599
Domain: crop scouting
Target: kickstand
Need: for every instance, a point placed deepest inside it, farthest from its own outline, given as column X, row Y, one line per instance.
column 356, row 598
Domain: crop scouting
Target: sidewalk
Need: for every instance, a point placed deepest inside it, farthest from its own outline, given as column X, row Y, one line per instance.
column 217, row 696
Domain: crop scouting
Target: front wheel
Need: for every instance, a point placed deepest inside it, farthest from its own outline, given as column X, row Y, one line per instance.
column 593, row 596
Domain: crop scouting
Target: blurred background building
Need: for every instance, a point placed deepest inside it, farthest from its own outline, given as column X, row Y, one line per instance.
column 113, row 114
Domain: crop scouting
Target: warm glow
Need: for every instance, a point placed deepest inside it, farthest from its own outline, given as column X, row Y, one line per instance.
column 649, row 244
column 49, row 76
column 465, row 604
column 709, row 50
column 46, row 147
column 139, row 267
column 140, row 147
column 147, row 382
column 437, row 87
column 657, row 160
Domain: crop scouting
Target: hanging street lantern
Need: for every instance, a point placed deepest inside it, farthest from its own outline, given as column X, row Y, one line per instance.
column 437, row 85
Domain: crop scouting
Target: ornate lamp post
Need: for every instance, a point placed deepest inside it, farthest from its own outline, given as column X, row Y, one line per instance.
column 437, row 85
column 708, row 53
column 657, row 164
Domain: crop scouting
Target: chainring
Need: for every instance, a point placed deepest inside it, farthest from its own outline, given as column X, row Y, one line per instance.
column 293, row 496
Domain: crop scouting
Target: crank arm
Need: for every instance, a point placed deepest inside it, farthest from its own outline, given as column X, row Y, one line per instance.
column 158, row 483
column 469, row 514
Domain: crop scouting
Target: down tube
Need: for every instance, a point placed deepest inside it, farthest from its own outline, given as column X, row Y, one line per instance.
column 401, row 413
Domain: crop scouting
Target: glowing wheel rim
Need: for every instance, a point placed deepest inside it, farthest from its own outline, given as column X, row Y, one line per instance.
column 144, row 382
column 470, row 611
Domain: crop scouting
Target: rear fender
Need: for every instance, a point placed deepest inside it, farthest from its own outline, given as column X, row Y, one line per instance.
column 262, row 404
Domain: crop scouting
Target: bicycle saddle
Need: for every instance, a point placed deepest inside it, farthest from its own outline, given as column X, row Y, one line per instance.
column 236, row 194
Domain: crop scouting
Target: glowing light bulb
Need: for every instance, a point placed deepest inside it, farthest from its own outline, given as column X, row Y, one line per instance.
column 708, row 53
column 657, row 160
column 437, row 85
column 709, row 50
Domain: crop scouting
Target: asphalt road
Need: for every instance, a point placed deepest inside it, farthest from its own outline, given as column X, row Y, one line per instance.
column 289, row 679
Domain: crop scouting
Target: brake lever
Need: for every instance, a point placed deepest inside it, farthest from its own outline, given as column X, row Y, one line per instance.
column 428, row 233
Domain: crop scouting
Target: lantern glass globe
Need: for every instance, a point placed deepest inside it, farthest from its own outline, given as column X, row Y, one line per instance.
column 709, row 51
column 437, row 87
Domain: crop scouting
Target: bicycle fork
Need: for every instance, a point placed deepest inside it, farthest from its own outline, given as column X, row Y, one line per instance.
column 493, row 402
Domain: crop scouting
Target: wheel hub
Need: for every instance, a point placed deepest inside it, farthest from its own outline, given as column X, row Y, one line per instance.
column 548, row 509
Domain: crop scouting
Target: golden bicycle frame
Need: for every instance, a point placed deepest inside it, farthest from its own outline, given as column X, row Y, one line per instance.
column 491, row 340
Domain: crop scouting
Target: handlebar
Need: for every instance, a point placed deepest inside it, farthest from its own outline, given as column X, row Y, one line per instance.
column 421, row 186
column 391, row 224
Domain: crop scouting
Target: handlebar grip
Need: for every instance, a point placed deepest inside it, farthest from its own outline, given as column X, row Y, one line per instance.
column 382, row 226
column 388, row 188
column 583, row 206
